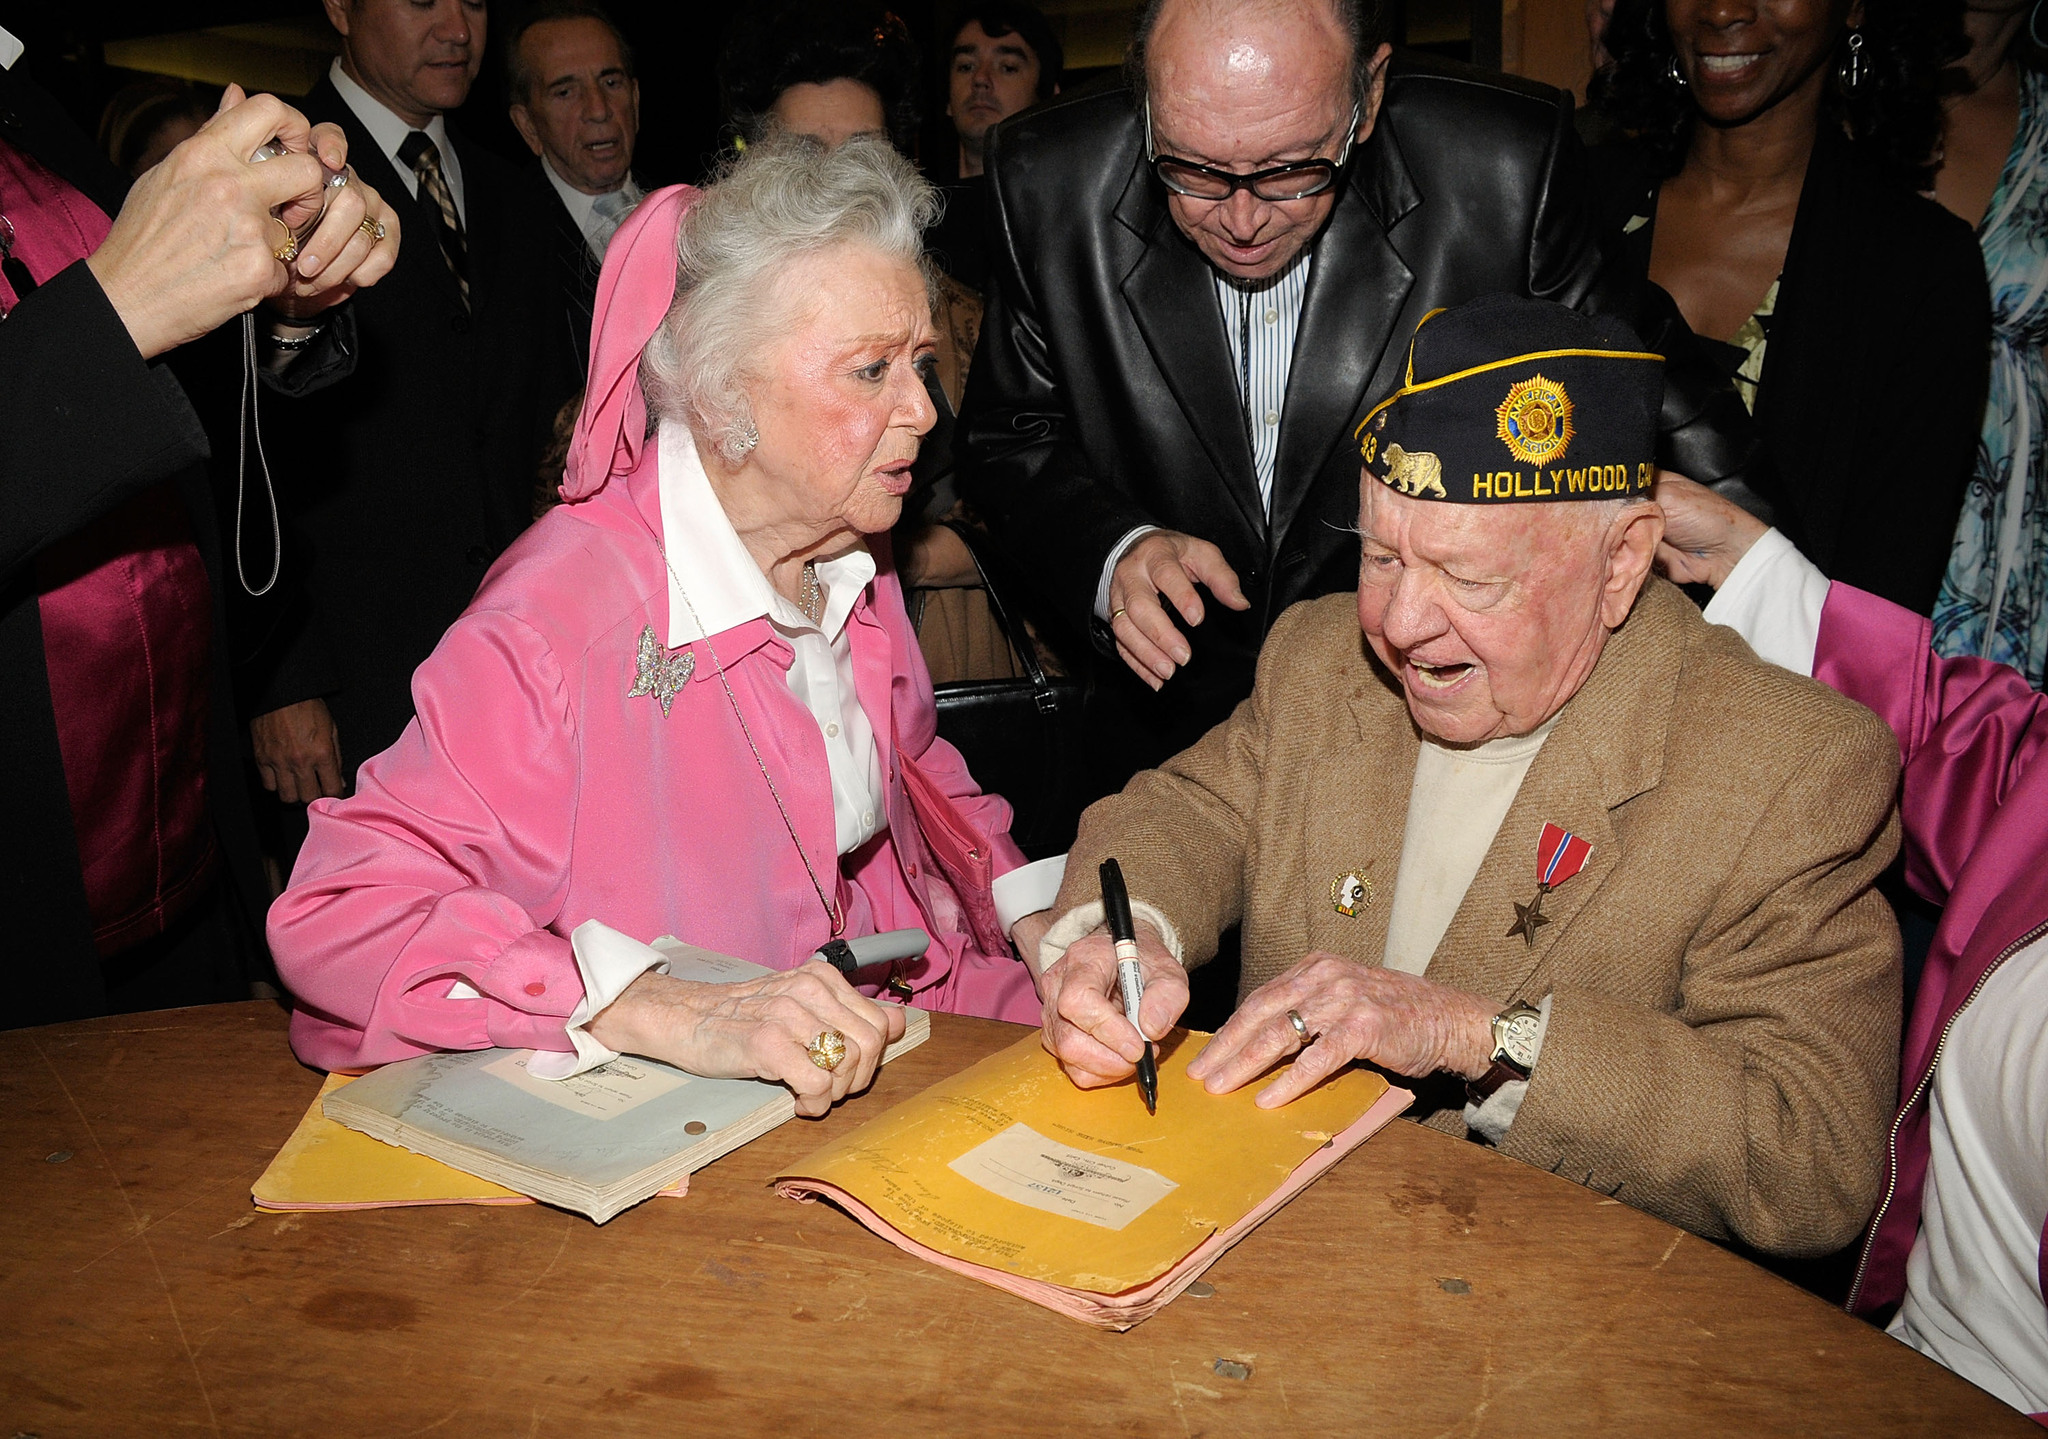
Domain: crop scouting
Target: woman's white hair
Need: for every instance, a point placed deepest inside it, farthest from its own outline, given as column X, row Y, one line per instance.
column 783, row 200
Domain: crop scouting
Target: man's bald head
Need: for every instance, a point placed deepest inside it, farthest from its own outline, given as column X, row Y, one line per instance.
column 1348, row 32
column 1248, row 85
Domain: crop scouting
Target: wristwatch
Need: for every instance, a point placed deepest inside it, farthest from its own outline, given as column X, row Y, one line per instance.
column 1514, row 1050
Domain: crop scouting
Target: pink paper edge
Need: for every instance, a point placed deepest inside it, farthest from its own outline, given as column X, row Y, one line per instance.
column 1133, row 1306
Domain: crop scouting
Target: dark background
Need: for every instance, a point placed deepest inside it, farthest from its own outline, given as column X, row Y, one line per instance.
column 85, row 52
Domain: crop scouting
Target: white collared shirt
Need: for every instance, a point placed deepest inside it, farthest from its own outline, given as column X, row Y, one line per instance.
column 727, row 589
column 582, row 208
column 389, row 131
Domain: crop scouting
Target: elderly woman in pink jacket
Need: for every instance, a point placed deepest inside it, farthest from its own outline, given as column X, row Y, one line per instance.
column 688, row 701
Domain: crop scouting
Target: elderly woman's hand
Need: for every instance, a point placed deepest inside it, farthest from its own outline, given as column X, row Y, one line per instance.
column 1704, row 534
column 194, row 244
column 1084, row 1026
column 1397, row 1020
column 758, row 1029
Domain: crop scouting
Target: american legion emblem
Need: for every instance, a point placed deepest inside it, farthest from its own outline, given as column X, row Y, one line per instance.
column 1352, row 891
column 1535, row 420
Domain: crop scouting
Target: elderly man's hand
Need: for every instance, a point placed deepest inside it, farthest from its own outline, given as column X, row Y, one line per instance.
column 193, row 245
column 757, row 1029
column 1396, row 1020
column 1704, row 534
column 1167, row 566
column 1085, row 1028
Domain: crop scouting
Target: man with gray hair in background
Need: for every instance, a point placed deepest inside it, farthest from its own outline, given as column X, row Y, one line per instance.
column 1197, row 282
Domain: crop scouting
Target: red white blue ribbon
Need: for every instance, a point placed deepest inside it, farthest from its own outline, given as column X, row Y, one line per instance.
column 1559, row 855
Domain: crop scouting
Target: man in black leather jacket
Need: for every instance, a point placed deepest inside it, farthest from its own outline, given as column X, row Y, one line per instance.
column 1134, row 347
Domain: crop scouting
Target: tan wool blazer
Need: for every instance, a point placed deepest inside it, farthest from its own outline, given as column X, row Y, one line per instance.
column 1724, row 1026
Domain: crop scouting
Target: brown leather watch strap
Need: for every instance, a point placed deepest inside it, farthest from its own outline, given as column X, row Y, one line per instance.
column 1484, row 1087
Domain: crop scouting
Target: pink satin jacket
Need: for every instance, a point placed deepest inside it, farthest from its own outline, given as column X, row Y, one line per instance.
column 1974, row 806
column 531, row 793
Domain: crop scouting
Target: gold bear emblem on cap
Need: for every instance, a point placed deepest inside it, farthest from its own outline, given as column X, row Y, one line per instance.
column 1414, row 471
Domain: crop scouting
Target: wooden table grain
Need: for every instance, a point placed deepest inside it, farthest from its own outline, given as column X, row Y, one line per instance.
column 1422, row 1287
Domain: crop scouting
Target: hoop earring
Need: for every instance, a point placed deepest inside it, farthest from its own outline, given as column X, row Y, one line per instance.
column 2034, row 25
column 1854, row 68
column 1677, row 77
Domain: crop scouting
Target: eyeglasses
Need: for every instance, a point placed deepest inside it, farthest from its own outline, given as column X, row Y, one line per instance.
column 1295, row 181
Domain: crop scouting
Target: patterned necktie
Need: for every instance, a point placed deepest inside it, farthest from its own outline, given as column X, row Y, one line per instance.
column 611, row 212
column 424, row 157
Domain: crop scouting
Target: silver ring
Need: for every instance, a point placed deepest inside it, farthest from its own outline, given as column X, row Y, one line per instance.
column 1300, row 1029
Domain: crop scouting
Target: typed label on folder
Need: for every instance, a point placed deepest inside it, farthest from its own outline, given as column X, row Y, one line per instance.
column 1023, row 1165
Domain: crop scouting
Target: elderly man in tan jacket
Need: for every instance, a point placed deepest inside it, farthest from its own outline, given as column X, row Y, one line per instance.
column 1542, row 839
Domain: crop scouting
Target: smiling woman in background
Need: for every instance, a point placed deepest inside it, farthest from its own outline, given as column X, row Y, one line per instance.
column 1766, row 179
column 688, row 700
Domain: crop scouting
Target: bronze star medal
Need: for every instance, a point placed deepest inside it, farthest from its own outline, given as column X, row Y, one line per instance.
column 1529, row 916
column 1559, row 855
column 661, row 674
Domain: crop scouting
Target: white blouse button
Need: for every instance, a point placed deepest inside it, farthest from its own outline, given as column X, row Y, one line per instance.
column 831, row 731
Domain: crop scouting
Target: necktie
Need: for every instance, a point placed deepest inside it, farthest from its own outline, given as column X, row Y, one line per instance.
column 611, row 211
column 424, row 157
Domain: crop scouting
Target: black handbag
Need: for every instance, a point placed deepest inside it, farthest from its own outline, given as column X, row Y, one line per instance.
column 1021, row 737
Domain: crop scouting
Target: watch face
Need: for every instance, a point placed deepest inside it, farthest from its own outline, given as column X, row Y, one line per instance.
column 1518, row 1038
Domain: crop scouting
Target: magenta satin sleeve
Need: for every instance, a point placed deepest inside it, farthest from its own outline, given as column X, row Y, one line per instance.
column 1967, row 728
column 446, row 864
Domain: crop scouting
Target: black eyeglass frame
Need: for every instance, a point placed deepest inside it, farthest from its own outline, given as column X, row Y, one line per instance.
column 1327, row 169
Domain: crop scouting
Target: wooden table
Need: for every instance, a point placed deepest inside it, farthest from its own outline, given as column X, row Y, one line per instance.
column 1423, row 1287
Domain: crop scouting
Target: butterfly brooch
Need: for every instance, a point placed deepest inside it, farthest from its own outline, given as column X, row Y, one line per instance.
column 661, row 674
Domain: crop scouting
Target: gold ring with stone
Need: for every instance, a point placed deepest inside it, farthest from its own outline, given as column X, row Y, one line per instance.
column 827, row 1049
column 372, row 227
column 1300, row 1029
column 289, row 251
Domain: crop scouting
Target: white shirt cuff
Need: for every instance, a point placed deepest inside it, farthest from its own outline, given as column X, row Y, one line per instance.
column 1123, row 547
column 1028, row 890
column 1773, row 598
column 608, row 962
column 1491, row 1120
column 1086, row 918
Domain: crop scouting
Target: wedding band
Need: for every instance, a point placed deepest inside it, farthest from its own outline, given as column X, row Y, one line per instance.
column 827, row 1049
column 1300, row 1029
column 373, row 228
column 1116, row 614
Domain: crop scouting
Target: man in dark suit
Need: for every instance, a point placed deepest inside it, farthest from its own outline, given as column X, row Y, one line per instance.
column 1185, row 321
column 576, row 102
column 128, row 866
column 415, row 486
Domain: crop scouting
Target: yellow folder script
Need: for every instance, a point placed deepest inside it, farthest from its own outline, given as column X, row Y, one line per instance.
column 1008, row 1165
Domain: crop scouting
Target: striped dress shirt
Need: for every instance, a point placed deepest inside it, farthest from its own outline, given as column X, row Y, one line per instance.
column 1259, row 326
